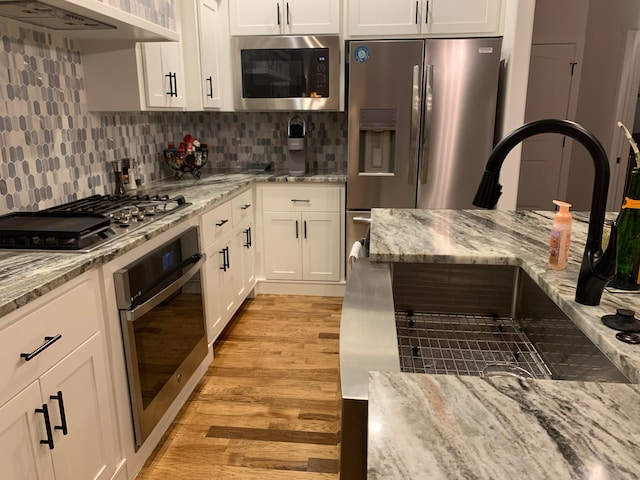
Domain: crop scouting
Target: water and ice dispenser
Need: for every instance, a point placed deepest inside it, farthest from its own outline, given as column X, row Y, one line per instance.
column 377, row 141
column 296, row 132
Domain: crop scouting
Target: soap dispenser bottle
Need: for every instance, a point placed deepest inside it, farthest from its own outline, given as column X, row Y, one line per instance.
column 560, row 237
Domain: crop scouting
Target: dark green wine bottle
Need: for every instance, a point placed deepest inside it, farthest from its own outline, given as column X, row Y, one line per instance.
column 626, row 277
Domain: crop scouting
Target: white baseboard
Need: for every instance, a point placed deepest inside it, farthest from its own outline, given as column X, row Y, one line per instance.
column 300, row 288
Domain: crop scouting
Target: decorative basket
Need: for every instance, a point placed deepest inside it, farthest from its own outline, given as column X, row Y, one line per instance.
column 191, row 161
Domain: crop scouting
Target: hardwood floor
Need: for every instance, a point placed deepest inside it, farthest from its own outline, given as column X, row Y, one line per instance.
column 269, row 405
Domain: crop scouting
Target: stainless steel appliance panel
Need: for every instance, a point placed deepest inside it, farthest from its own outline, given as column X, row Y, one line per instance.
column 461, row 83
column 300, row 73
column 385, row 92
column 163, row 327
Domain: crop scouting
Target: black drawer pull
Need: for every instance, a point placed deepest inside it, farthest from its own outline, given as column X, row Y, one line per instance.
column 47, row 424
column 222, row 222
column 48, row 341
column 245, row 206
column 63, row 415
column 300, row 200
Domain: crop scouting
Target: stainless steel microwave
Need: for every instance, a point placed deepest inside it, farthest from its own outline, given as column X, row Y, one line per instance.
column 286, row 73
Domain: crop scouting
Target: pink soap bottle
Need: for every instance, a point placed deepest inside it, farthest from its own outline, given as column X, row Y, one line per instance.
column 560, row 237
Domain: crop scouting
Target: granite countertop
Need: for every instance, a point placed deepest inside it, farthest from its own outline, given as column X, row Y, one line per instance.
column 438, row 426
column 25, row 276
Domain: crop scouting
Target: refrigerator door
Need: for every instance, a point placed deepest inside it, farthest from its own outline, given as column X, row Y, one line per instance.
column 385, row 95
column 461, row 87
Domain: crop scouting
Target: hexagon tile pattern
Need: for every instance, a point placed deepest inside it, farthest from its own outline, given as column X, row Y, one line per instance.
column 53, row 150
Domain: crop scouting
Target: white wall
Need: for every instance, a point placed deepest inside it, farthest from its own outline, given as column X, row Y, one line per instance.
column 607, row 24
column 516, row 52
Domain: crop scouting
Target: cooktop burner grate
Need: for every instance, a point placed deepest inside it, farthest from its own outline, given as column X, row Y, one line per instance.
column 84, row 224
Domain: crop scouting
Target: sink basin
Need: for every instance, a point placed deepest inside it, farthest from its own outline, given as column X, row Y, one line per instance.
column 451, row 319
column 471, row 319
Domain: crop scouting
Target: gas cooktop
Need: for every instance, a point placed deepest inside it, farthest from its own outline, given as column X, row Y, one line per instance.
column 83, row 225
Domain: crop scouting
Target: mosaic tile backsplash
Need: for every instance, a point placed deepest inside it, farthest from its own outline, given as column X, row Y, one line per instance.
column 53, row 150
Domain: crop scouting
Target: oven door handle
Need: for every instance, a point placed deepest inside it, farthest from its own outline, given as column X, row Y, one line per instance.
column 138, row 311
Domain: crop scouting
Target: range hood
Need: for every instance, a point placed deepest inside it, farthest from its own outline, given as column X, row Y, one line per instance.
column 43, row 15
column 85, row 19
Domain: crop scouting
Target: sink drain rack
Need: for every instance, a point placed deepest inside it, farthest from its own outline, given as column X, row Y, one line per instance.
column 463, row 344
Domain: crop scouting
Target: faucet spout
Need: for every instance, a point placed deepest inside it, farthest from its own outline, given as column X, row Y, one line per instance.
column 596, row 269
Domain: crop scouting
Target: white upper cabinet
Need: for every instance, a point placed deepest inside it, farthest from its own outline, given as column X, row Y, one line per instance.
column 164, row 77
column 208, row 23
column 284, row 17
column 423, row 17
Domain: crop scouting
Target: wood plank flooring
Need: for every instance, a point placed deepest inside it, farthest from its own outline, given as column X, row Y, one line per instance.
column 269, row 405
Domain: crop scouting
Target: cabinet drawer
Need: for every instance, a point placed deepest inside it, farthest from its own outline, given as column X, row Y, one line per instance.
column 301, row 198
column 73, row 312
column 216, row 223
column 242, row 207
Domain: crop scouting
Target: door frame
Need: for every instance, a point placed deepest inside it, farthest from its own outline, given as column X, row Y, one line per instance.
column 626, row 103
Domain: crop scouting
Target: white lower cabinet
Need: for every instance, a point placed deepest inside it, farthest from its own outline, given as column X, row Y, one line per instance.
column 303, row 232
column 229, row 274
column 60, row 424
column 302, row 246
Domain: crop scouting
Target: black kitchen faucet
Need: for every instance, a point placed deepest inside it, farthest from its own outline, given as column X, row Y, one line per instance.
column 597, row 268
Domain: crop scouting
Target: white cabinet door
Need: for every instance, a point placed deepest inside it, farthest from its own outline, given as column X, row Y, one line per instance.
column 282, row 246
column 384, row 17
column 256, row 17
column 213, row 281
column 77, row 395
column 423, row 17
column 303, row 17
column 22, row 456
column 226, row 265
column 321, row 246
column 208, row 22
column 163, row 73
column 462, row 16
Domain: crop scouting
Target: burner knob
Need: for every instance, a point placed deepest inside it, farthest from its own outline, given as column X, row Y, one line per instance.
column 626, row 314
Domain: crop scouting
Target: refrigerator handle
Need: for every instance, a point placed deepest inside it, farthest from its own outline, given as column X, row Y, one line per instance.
column 428, row 119
column 416, row 101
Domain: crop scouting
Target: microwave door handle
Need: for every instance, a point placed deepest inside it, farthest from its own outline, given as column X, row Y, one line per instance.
column 138, row 311
column 428, row 120
column 415, row 123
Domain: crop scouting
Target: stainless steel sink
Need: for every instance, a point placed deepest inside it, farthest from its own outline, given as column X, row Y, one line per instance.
column 472, row 319
column 451, row 319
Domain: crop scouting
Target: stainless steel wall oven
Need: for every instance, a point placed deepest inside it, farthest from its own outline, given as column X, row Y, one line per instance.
column 163, row 326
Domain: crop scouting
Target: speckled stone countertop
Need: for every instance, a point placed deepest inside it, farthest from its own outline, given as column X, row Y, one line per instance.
column 444, row 427
column 25, row 276
column 433, row 426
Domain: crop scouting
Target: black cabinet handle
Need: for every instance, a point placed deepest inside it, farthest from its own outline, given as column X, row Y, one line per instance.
column 288, row 19
column 417, row 17
column 250, row 239
column 305, row 229
column 210, row 82
column 48, row 341
column 221, row 223
column 47, row 424
column 303, row 200
column 245, row 206
column 63, row 415
column 247, row 233
column 278, row 7
column 173, row 84
column 297, row 235
column 426, row 15
column 170, row 77
column 225, row 259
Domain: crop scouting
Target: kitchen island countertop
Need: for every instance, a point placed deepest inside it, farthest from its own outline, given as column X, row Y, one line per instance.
column 437, row 426
column 25, row 276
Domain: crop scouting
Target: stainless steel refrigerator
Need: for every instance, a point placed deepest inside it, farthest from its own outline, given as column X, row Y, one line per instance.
column 421, row 123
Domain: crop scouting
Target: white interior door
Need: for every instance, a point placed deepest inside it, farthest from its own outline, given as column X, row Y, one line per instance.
column 550, row 79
